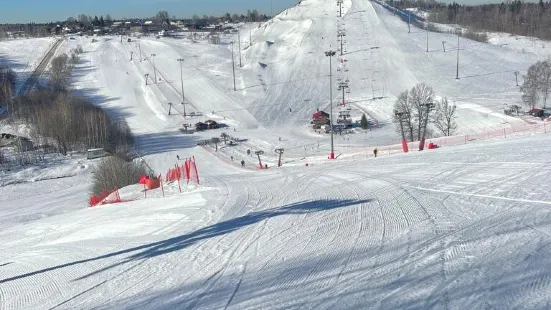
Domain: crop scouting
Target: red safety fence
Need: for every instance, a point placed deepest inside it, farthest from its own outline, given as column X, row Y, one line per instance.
column 187, row 170
column 503, row 133
column 105, row 197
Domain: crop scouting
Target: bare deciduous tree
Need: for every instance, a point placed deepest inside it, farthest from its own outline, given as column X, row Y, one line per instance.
column 162, row 16
column 215, row 140
column 444, row 119
column 421, row 95
column 414, row 112
column 225, row 137
column 537, row 84
column 404, row 105
column 59, row 73
column 7, row 88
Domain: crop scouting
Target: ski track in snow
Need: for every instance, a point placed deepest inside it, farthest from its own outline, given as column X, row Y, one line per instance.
column 466, row 227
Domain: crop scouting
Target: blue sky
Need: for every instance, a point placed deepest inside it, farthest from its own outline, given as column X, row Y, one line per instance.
column 53, row 10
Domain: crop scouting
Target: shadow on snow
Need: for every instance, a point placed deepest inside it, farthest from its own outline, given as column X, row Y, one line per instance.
column 219, row 229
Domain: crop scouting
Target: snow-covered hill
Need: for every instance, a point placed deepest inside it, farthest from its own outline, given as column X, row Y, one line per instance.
column 463, row 227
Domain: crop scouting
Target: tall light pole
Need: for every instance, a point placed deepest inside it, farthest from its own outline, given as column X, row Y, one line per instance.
column 239, row 45
column 154, row 68
column 330, row 54
column 516, row 76
column 140, row 48
column 427, row 36
column 233, row 66
column 181, row 61
column 457, row 65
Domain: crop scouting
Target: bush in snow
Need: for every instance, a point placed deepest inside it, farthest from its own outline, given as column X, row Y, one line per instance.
column 114, row 172
column 60, row 72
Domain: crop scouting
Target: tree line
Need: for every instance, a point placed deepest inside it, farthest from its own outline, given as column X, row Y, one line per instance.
column 516, row 17
column 59, row 118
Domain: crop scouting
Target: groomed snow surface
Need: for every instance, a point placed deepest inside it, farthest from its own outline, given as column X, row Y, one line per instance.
column 464, row 227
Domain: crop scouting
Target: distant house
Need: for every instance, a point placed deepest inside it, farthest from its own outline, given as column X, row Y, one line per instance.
column 320, row 118
column 201, row 126
column 537, row 112
column 148, row 23
column 211, row 124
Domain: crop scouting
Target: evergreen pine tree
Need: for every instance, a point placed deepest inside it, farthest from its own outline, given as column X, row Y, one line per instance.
column 363, row 122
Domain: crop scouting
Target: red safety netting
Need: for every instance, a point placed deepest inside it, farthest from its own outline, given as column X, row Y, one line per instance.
column 105, row 197
column 188, row 170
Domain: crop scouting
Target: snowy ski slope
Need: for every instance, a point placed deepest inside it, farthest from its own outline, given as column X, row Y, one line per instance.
column 464, row 227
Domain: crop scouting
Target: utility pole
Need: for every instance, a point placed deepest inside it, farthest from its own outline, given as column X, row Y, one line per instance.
column 457, row 65
column 409, row 22
column 154, row 68
column 140, row 48
column 239, row 46
column 343, row 86
column 279, row 152
column 146, row 77
column 131, row 55
column 444, row 46
column 271, row 9
column 181, row 61
column 341, row 34
column 427, row 27
column 429, row 106
column 516, row 76
column 401, row 116
column 233, row 66
column 339, row 3
column 330, row 54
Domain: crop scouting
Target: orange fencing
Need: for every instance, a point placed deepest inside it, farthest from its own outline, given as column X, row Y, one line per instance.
column 187, row 170
column 105, row 197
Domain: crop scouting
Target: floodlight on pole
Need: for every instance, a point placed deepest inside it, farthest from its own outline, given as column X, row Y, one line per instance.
column 516, row 76
column 330, row 54
column 239, row 45
column 154, row 68
column 233, row 67
column 181, row 61
column 457, row 64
